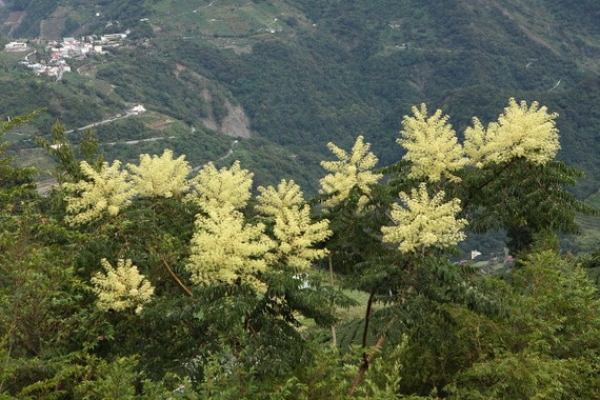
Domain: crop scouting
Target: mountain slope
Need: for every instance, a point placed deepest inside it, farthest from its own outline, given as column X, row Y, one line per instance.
column 305, row 72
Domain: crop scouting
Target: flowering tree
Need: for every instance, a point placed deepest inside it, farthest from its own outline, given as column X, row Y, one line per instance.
column 105, row 191
column 160, row 176
column 424, row 222
column 295, row 234
column 521, row 131
column 500, row 177
column 121, row 287
column 225, row 248
column 432, row 148
column 227, row 185
column 200, row 236
column 350, row 171
column 505, row 175
column 211, row 269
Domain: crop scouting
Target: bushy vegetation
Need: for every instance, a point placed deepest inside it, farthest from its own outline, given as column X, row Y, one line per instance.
column 151, row 280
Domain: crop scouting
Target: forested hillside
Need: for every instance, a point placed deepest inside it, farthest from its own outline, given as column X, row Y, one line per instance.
column 307, row 72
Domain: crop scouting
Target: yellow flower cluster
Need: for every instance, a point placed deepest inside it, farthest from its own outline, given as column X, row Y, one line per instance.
column 350, row 171
column 122, row 287
column 432, row 146
column 434, row 151
column 521, row 131
column 424, row 222
column 296, row 237
column 227, row 185
column 105, row 191
column 160, row 176
column 272, row 200
column 225, row 248
column 294, row 232
column 110, row 189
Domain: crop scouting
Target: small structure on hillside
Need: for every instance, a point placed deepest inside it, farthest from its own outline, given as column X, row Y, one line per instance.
column 15, row 46
column 136, row 110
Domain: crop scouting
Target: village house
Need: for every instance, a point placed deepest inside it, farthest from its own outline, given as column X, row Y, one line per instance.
column 70, row 47
column 136, row 110
column 112, row 39
column 57, row 68
column 15, row 46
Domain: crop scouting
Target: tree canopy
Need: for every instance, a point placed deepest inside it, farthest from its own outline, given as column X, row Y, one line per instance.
column 154, row 280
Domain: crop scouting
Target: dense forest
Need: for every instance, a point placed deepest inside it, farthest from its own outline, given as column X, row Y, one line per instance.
column 328, row 71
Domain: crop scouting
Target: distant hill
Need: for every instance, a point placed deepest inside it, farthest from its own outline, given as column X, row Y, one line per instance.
column 293, row 75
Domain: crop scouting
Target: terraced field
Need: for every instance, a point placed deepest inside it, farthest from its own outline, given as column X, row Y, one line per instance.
column 221, row 18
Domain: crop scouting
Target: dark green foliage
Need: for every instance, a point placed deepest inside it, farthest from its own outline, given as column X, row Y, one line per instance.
column 510, row 336
column 36, row 94
column 145, row 77
column 67, row 169
column 16, row 184
column 528, row 349
column 43, row 301
column 524, row 199
column 74, row 104
column 36, row 10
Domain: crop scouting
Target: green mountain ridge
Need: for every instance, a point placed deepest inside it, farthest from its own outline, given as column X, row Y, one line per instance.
column 307, row 72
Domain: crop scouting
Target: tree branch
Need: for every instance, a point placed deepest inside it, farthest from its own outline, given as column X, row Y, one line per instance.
column 478, row 188
column 333, row 331
column 367, row 360
column 368, row 317
column 185, row 288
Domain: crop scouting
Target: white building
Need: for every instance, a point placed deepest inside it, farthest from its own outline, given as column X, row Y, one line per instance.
column 112, row 37
column 139, row 109
column 15, row 46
